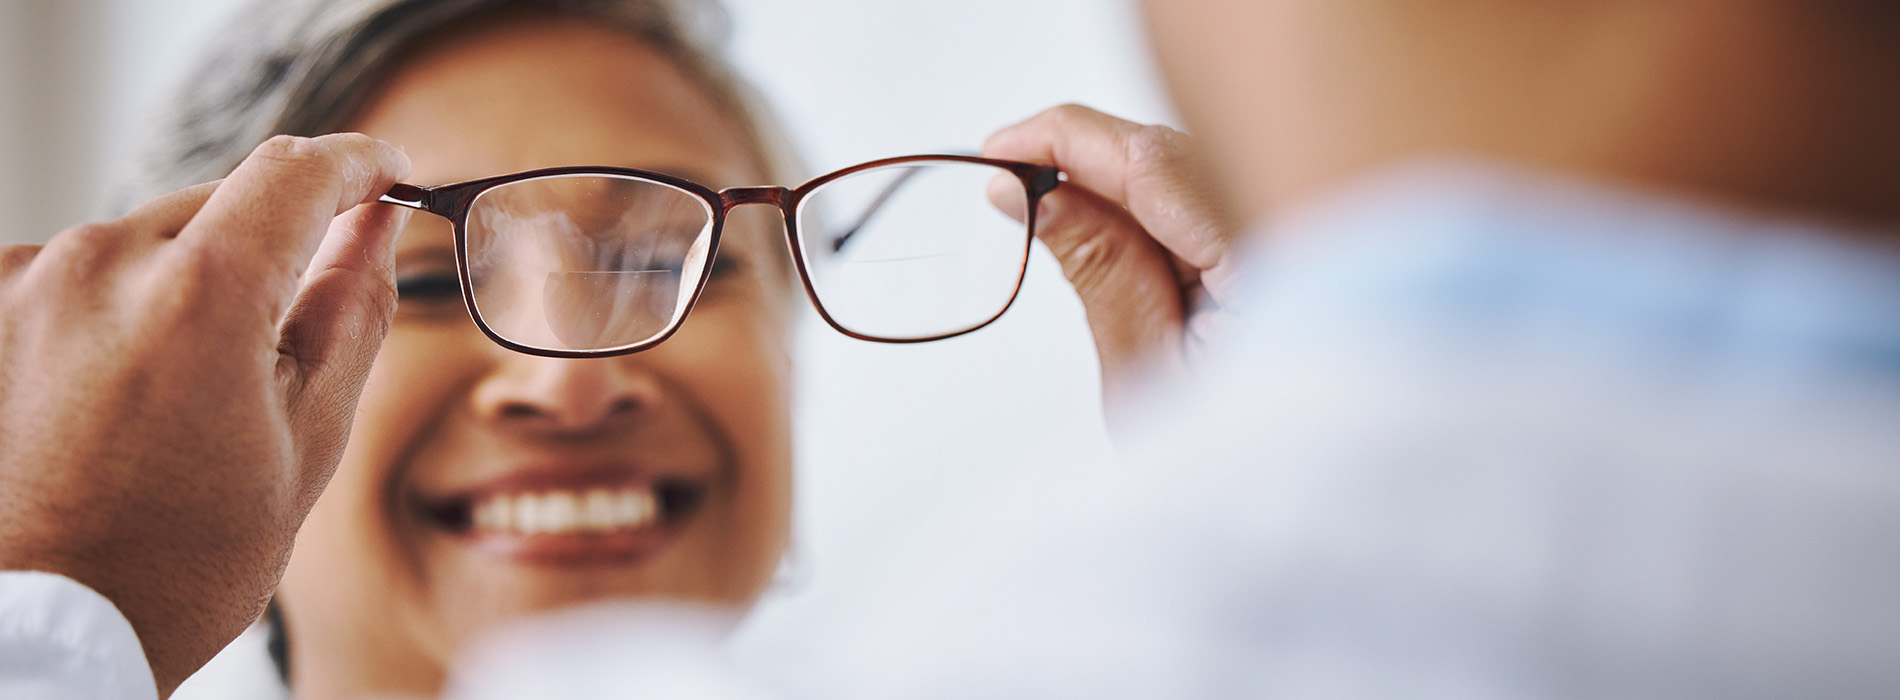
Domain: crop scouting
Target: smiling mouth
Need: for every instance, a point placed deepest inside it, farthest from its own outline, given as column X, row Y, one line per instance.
column 570, row 525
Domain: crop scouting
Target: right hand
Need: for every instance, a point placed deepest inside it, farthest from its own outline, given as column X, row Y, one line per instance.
column 1137, row 231
column 176, row 386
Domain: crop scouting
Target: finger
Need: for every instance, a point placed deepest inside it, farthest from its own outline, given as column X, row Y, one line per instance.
column 263, row 224
column 166, row 216
column 339, row 317
column 14, row 258
column 90, row 254
column 1125, row 281
column 1151, row 170
column 336, row 325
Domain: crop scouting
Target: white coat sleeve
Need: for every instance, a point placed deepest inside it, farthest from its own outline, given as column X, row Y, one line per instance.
column 60, row 640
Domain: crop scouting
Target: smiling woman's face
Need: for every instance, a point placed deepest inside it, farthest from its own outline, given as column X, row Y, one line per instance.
column 480, row 484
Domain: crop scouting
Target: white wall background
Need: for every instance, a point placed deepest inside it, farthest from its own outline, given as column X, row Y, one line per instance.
column 886, row 432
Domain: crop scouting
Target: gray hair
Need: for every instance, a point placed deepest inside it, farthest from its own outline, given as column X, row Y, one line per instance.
column 305, row 67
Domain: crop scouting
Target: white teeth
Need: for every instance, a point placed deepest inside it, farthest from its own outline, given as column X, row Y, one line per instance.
column 527, row 514
column 631, row 507
column 496, row 513
column 560, row 512
column 597, row 509
column 565, row 512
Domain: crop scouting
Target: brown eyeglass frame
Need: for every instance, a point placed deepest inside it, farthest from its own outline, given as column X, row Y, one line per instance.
column 453, row 201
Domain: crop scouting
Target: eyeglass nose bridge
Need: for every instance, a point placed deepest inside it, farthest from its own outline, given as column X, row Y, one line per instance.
column 778, row 197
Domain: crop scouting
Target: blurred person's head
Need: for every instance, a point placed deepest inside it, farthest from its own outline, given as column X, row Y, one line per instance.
column 1775, row 104
column 670, row 468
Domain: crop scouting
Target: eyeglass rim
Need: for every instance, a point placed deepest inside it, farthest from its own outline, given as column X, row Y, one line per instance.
column 453, row 201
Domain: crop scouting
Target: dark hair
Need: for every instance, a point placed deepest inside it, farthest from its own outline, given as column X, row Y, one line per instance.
column 277, row 640
column 306, row 67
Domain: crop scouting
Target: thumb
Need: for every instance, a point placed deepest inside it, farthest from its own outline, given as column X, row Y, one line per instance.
column 335, row 326
column 1127, row 284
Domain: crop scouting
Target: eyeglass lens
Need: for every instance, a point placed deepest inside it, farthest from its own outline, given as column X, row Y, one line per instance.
column 585, row 262
column 914, row 250
column 592, row 262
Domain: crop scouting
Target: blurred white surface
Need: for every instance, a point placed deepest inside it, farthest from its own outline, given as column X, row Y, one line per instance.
column 1478, row 433
column 889, row 433
column 885, row 432
column 76, row 76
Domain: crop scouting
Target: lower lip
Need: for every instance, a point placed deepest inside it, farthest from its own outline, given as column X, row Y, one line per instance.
column 579, row 549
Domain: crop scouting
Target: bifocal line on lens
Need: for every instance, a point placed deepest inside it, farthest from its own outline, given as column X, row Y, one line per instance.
column 591, row 261
column 912, row 250
column 584, row 262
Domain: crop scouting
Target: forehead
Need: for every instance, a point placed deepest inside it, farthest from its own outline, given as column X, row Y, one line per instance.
column 535, row 92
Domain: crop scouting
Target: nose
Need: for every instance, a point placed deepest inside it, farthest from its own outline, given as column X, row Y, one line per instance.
column 563, row 397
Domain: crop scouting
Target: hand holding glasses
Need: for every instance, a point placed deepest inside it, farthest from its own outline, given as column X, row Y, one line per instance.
column 599, row 261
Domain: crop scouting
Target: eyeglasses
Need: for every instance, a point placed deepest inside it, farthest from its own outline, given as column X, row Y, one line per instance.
column 600, row 261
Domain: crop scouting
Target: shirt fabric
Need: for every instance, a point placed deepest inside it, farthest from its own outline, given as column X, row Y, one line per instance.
column 1479, row 433
column 60, row 640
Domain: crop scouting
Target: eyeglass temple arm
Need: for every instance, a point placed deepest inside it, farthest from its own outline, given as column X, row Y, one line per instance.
column 837, row 244
column 407, row 196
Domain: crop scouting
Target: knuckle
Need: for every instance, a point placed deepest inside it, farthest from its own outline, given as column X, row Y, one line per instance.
column 1061, row 118
column 93, row 233
column 1092, row 253
column 1069, row 112
column 347, row 139
column 331, row 159
column 1091, row 262
column 296, row 152
column 1154, row 146
column 1082, row 247
column 87, row 247
column 16, row 257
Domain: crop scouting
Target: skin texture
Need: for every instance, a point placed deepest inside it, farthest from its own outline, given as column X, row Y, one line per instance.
column 1780, row 107
column 1756, row 103
column 214, row 392
column 1137, row 231
column 1762, row 104
column 376, row 599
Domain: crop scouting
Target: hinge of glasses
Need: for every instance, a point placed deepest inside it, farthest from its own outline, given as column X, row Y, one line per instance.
column 406, row 195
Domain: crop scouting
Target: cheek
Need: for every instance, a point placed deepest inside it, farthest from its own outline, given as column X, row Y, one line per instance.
column 733, row 357
column 354, row 526
column 1255, row 83
column 1194, row 42
column 734, row 349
